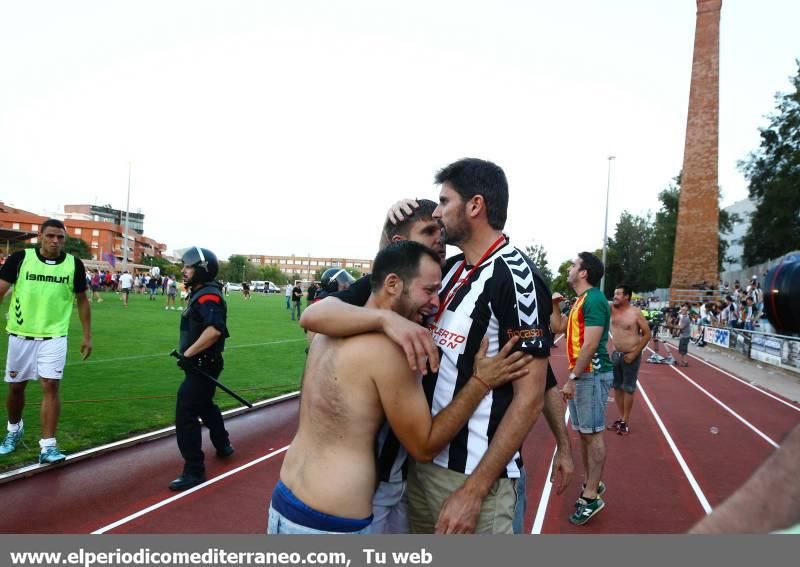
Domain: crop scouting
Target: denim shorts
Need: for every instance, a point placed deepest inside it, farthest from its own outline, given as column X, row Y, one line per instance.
column 625, row 375
column 587, row 409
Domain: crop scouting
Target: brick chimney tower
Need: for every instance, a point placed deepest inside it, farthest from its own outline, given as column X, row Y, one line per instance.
column 697, row 233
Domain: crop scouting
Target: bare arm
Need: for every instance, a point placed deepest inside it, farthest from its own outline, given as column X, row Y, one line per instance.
column 558, row 321
column 591, row 340
column 407, row 409
column 85, row 315
column 4, row 287
column 768, row 501
column 562, row 463
column 336, row 318
column 208, row 337
column 460, row 511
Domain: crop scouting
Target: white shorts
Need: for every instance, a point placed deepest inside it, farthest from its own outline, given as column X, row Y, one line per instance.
column 32, row 359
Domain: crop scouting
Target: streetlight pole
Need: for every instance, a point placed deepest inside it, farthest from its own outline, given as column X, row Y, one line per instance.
column 127, row 223
column 605, row 227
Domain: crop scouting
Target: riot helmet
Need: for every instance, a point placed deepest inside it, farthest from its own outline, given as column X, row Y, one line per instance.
column 335, row 279
column 204, row 262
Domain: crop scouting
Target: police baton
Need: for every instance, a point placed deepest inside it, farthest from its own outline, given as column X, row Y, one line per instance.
column 222, row 386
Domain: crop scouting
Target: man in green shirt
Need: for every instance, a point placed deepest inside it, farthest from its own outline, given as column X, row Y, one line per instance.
column 45, row 281
column 590, row 377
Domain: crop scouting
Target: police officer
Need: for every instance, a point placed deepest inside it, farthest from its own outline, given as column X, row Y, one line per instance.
column 333, row 280
column 202, row 340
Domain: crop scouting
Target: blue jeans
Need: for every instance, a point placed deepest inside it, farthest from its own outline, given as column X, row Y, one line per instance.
column 518, row 524
column 389, row 509
column 587, row 409
column 296, row 308
column 288, row 301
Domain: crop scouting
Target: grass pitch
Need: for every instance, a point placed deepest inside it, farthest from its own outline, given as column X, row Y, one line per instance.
column 128, row 384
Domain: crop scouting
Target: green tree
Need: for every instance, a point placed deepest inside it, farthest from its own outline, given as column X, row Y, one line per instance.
column 167, row 267
column 353, row 272
column 560, row 284
column 630, row 254
column 77, row 247
column 238, row 269
column 773, row 173
column 538, row 255
column 663, row 237
column 273, row 273
column 663, row 241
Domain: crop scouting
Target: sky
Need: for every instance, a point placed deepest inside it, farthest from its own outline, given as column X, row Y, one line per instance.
column 266, row 127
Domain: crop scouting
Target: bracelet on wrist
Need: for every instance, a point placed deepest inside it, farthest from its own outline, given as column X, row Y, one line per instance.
column 485, row 385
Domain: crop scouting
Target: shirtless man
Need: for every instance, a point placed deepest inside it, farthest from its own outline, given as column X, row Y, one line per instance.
column 630, row 334
column 351, row 385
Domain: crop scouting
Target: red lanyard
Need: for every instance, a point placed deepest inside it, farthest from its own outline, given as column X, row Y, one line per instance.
column 460, row 282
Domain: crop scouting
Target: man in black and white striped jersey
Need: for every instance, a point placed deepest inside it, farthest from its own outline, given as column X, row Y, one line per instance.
column 492, row 290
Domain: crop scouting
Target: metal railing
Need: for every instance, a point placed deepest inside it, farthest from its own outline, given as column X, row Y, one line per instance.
column 769, row 348
column 678, row 296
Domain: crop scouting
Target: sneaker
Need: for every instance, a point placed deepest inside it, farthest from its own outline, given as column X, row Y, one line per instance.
column 585, row 510
column 601, row 488
column 615, row 426
column 623, row 429
column 226, row 451
column 9, row 444
column 186, row 481
column 51, row 455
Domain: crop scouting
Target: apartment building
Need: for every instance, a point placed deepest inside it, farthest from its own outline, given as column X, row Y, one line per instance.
column 104, row 238
column 306, row 266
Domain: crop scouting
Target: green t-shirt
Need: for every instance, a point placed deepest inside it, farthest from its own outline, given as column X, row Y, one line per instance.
column 590, row 310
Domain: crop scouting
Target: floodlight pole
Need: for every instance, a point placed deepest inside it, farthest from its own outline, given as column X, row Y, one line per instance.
column 127, row 222
column 605, row 228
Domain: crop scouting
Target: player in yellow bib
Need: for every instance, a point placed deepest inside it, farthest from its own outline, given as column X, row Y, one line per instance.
column 45, row 280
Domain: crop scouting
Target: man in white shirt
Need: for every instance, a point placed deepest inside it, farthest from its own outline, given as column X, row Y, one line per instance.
column 125, row 285
column 288, row 293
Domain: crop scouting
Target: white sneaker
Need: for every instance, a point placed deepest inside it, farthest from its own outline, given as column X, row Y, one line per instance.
column 166, row 308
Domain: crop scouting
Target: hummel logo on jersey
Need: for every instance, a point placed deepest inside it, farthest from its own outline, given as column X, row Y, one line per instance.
column 49, row 279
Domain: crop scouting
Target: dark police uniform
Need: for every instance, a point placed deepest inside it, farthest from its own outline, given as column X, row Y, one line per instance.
column 206, row 308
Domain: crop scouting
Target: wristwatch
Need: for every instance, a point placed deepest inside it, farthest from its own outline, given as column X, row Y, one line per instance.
column 573, row 376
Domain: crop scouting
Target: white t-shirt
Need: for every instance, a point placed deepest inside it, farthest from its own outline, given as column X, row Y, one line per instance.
column 126, row 281
column 288, row 290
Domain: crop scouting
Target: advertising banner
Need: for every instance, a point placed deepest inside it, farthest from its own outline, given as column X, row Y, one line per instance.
column 766, row 349
column 718, row 337
column 790, row 354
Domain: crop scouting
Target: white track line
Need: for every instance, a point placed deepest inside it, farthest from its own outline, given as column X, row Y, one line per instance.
column 746, row 383
column 548, row 487
column 725, row 407
column 165, row 355
column 538, row 521
column 686, row 471
column 30, row 470
column 197, row 488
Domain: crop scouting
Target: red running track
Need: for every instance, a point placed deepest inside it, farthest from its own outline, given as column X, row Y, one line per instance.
column 648, row 491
